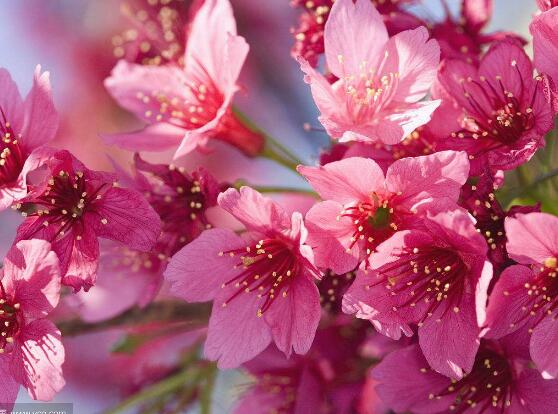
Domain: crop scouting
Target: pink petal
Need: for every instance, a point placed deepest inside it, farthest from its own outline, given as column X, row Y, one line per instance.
column 8, row 387
column 504, row 313
column 42, row 356
column 449, row 340
column 32, row 273
column 534, row 394
column 345, row 181
column 477, row 13
column 256, row 212
column 294, row 319
column 197, row 271
column 125, row 216
column 131, row 85
column 544, row 29
column 543, row 345
column 41, row 118
column 10, row 101
column 418, row 60
column 236, row 334
column 330, row 238
column 357, row 33
column 79, row 259
column 403, row 385
column 432, row 177
column 157, row 137
column 532, row 237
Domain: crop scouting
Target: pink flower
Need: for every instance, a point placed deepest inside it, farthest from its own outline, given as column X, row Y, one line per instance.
column 463, row 38
column 25, row 126
column 261, row 285
column 31, row 351
column 544, row 29
column 480, row 200
column 436, row 277
column 525, row 295
column 185, row 107
column 381, row 79
column 74, row 207
column 505, row 113
column 362, row 207
column 545, row 5
column 501, row 381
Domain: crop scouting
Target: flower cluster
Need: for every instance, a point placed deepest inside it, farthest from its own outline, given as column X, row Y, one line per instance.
column 416, row 271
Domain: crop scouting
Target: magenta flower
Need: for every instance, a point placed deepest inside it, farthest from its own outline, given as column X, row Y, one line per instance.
column 381, row 79
column 74, row 207
column 464, row 38
column 31, row 351
column 544, row 29
column 505, row 114
column 362, row 207
column 185, row 107
column 25, row 127
column 261, row 285
column 526, row 294
column 436, row 277
column 545, row 5
column 501, row 381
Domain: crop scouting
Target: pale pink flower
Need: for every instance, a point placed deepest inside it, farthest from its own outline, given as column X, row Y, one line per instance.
column 363, row 207
column 382, row 80
column 25, row 127
column 186, row 107
column 262, row 285
column 504, row 111
column 526, row 294
column 31, row 351
column 436, row 278
column 544, row 29
column 501, row 381
column 75, row 206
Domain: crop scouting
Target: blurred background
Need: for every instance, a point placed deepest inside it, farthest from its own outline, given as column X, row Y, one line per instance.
column 74, row 40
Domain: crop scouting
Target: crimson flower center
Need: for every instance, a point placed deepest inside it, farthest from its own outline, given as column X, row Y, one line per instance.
column 496, row 115
column 11, row 154
column 266, row 268
column 487, row 386
column 9, row 321
column 426, row 278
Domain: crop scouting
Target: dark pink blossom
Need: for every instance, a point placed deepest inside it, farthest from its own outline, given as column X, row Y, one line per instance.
column 31, row 351
column 527, row 294
column 262, row 285
column 185, row 107
column 363, row 207
column 505, row 113
column 545, row 5
column 381, row 80
column 463, row 38
column 25, row 127
column 75, row 206
column 501, row 381
column 436, row 278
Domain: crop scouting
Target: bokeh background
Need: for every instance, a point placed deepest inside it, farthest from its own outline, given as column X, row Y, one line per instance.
column 73, row 40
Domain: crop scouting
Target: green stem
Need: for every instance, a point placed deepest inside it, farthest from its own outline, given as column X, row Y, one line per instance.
column 161, row 388
column 171, row 311
column 207, row 391
column 273, row 149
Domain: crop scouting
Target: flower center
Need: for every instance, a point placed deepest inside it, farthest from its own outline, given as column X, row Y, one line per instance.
column 542, row 294
column 267, row 268
column 497, row 117
column 65, row 200
column 11, row 155
column 332, row 287
column 487, row 386
column 374, row 222
column 9, row 321
column 368, row 90
column 425, row 278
